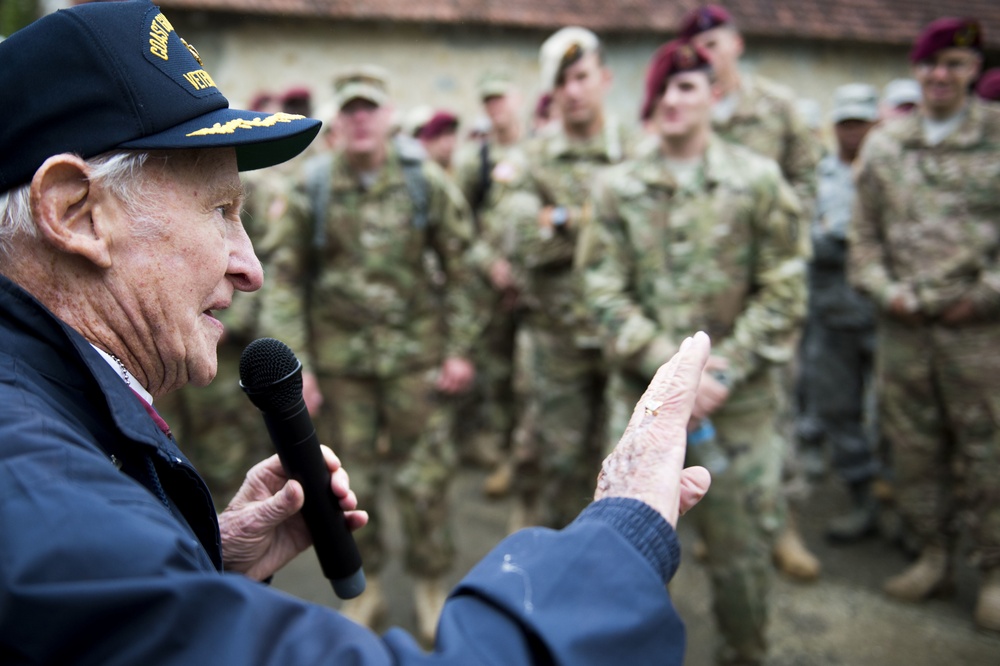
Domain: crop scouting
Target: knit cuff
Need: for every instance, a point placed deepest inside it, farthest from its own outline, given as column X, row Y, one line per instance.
column 643, row 527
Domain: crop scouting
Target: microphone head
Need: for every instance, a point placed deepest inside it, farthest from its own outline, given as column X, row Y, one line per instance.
column 271, row 375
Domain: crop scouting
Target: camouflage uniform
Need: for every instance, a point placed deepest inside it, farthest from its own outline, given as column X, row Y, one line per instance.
column 506, row 167
column 560, row 370
column 766, row 121
column 374, row 324
column 928, row 232
column 723, row 254
column 838, row 351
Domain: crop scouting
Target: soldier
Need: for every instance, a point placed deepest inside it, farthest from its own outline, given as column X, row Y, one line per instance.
column 438, row 136
column 489, row 173
column 761, row 115
column 705, row 234
column 838, row 350
column 363, row 265
column 558, row 441
column 900, row 97
column 928, row 238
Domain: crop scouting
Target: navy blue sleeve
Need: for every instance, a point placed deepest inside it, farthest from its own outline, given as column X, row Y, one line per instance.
column 94, row 570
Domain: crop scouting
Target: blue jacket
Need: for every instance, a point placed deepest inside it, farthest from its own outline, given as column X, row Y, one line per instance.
column 110, row 554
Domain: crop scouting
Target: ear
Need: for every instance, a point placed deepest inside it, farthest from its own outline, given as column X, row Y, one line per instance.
column 740, row 45
column 65, row 207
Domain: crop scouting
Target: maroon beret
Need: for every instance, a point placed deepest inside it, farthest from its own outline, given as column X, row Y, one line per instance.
column 672, row 58
column 297, row 94
column 440, row 123
column 988, row 87
column 947, row 33
column 702, row 19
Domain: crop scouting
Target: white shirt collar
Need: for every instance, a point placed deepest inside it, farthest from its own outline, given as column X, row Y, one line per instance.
column 126, row 376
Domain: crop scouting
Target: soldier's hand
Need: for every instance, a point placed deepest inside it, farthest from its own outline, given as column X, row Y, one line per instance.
column 501, row 275
column 262, row 528
column 311, row 394
column 904, row 308
column 712, row 394
column 456, row 375
column 648, row 462
column 959, row 313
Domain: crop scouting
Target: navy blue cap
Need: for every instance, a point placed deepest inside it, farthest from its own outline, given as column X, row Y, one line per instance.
column 115, row 75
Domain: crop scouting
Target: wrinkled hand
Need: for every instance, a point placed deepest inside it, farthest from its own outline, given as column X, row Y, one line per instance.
column 262, row 529
column 712, row 394
column 648, row 462
column 456, row 375
column 311, row 394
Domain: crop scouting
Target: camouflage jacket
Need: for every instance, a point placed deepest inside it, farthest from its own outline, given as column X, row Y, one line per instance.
column 927, row 218
column 562, row 173
column 725, row 255
column 381, row 294
column 496, row 216
column 766, row 121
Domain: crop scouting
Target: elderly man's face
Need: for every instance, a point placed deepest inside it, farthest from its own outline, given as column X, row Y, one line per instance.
column 176, row 278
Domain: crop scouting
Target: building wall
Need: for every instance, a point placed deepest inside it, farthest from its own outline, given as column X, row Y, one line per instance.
column 439, row 65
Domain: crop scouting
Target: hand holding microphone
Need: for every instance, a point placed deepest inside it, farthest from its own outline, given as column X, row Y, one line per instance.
column 271, row 376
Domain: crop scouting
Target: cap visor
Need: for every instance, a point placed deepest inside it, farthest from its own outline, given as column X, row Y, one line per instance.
column 261, row 139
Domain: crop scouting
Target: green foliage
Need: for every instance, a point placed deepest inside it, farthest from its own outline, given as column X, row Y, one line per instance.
column 15, row 14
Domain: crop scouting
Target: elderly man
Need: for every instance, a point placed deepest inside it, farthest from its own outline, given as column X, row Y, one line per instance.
column 928, row 237
column 704, row 233
column 120, row 233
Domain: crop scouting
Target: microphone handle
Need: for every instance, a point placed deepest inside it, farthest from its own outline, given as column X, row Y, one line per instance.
column 295, row 440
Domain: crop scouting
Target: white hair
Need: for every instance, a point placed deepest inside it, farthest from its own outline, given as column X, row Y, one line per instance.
column 119, row 171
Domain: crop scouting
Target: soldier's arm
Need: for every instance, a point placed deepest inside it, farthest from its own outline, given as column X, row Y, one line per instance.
column 452, row 239
column 802, row 154
column 607, row 265
column 868, row 261
column 541, row 244
column 765, row 332
column 287, row 248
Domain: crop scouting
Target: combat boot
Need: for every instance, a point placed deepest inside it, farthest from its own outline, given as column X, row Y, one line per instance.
column 988, row 607
column 429, row 596
column 862, row 521
column 368, row 609
column 929, row 575
column 791, row 555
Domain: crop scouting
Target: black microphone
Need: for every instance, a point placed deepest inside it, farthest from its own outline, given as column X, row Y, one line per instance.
column 271, row 377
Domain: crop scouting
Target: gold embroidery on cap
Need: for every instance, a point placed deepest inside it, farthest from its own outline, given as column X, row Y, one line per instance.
column 200, row 79
column 194, row 51
column 159, row 32
column 241, row 123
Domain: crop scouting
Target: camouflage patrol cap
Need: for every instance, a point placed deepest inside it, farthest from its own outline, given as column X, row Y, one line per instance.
column 494, row 84
column 901, row 91
column 561, row 50
column 368, row 82
column 854, row 101
column 703, row 19
column 672, row 58
column 947, row 33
